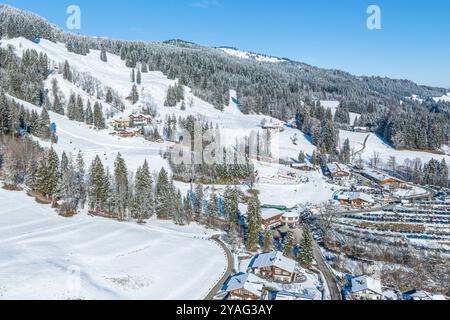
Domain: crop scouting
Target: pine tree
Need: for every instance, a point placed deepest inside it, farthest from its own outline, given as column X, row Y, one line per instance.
column 213, row 209
column 31, row 179
column 163, row 195
column 345, row 152
column 71, row 106
column 254, row 222
column 301, row 157
column 89, row 114
column 143, row 204
column 103, row 56
column 231, row 205
column 306, row 248
column 268, row 241
column 67, row 74
column 289, row 244
column 79, row 110
column 99, row 120
column 64, row 162
column 121, row 187
column 134, row 95
column 109, row 96
column 67, row 189
column 188, row 208
column 47, row 175
column 80, row 183
column 44, row 125
column 98, row 188
column 138, row 77
column 199, row 199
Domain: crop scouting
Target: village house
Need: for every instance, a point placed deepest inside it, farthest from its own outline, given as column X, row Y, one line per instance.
column 355, row 199
column 383, row 179
column 271, row 218
column 366, row 288
column 273, row 265
column 339, row 171
column 140, row 120
column 243, row 286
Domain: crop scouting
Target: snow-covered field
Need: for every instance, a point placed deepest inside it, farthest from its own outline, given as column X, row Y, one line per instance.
column 44, row 256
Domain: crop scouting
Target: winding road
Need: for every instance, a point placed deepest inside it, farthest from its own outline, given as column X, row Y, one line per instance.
column 228, row 272
column 330, row 279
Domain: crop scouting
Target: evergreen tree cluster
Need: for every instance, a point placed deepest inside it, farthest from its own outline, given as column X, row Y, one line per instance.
column 23, row 78
column 16, row 120
column 174, row 95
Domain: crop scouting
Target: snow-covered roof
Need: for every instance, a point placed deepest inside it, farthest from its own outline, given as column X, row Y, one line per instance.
column 377, row 175
column 286, row 295
column 337, row 167
column 246, row 281
column 366, row 283
column 270, row 213
column 421, row 295
column 275, row 259
column 291, row 214
column 351, row 196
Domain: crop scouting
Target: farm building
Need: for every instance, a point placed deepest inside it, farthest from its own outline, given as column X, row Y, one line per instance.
column 339, row 171
column 382, row 178
column 273, row 265
column 244, row 286
column 366, row 288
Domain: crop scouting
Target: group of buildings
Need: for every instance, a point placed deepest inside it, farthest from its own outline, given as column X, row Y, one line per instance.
column 132, row 126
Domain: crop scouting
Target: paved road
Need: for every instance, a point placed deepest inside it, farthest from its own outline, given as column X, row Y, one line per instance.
column 228, row 273
column 326, row 271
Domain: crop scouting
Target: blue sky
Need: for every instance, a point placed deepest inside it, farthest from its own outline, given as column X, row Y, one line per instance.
column 414, row 42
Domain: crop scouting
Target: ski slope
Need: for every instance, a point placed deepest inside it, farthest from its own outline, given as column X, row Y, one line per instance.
column 74, row 137
column 44, row 256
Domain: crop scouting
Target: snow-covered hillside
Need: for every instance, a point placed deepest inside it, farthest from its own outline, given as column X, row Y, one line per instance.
column 376, row 144
column 233, row 124
column 48, row 257
column 445, row 98
column 252, row 56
